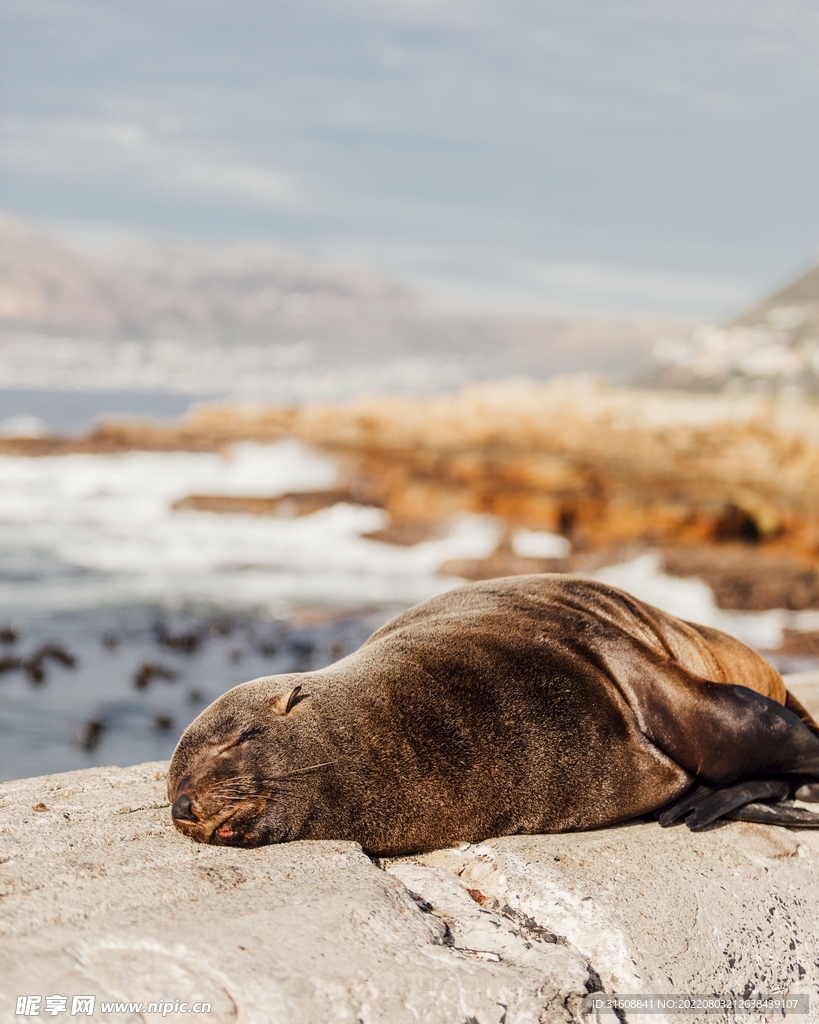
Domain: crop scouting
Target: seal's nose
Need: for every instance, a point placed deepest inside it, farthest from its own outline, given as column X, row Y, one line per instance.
column 181, row 810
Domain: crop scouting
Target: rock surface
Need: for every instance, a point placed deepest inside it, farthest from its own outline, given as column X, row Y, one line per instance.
column 101, row 895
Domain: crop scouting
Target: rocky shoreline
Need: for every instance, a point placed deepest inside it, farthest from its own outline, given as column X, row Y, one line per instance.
column 603, row 466
column 102, row 896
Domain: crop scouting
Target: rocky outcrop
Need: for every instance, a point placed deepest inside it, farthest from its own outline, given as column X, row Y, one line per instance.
column 101, row 896
column 727, row 487
column 603, row 466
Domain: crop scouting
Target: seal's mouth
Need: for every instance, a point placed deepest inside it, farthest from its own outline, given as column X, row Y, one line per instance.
column 192, row 824
column 253, row 823
column 234, row 825
column 228, row 834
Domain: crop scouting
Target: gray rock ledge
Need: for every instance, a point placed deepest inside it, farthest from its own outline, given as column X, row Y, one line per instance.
column 101, row 895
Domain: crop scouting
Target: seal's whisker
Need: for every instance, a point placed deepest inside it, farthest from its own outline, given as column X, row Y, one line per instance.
column 240, row 785
column 240, row 790
column 299, row 771
column 265, row 788
column 238, row 796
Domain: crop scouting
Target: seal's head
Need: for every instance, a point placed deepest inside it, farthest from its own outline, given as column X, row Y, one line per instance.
column 236, row 777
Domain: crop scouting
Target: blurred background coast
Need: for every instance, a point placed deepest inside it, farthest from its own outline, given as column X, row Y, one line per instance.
column 308, row 312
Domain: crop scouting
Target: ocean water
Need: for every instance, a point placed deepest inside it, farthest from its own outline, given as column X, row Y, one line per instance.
column 91, row 530
column 140, row 674
column 96, row 562
column 121, row 617
column 28, row 412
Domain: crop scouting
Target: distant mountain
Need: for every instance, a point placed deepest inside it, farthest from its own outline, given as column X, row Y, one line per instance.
column 256, row 319
column 186, row 292
column 772, row 347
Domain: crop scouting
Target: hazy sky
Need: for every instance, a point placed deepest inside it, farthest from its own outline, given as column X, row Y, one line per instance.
column 635, row 156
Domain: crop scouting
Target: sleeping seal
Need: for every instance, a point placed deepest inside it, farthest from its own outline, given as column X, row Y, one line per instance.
column 541, row 703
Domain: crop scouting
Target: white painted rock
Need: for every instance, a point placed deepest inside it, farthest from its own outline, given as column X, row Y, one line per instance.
column 100, row 895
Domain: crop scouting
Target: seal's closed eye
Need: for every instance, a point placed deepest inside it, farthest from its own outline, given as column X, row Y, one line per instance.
column 248, row 734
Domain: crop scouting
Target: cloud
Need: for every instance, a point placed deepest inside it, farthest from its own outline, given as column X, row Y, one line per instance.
column 486, row 278
column 437, row 12
column 545, row 150
column 162, row 156
column 636, row 285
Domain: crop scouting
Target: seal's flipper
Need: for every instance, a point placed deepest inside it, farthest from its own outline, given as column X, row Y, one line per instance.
column 777, row 814
column 723, row 801
column 704, row 804
column 721, row 732
column 685, row 805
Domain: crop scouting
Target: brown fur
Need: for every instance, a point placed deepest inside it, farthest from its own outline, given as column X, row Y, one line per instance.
column 523, row 705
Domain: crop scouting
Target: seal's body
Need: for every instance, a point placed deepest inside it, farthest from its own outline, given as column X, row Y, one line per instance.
column 524, row 705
